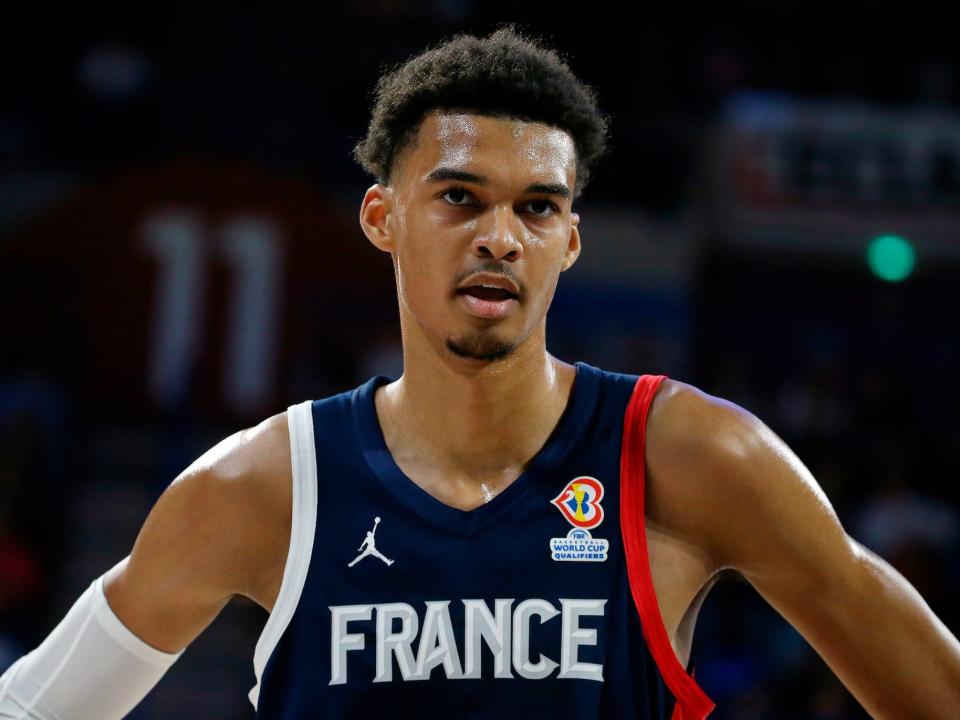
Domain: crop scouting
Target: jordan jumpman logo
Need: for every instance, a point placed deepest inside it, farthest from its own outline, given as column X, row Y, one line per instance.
column 368, row 547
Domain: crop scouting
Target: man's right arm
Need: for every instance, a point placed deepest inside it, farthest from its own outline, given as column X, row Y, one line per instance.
column 221, row 529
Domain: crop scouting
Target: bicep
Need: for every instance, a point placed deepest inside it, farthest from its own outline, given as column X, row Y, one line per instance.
column 212, row 535
column 742, row 495
column 773, row 522
column 174, row 583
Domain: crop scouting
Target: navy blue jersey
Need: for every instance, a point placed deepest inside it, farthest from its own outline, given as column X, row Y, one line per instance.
column 392, row 601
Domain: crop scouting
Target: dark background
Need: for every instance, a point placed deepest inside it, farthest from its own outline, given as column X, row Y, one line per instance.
column 180, row 257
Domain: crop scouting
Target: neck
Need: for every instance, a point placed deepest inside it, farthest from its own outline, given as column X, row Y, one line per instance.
column 473, row 421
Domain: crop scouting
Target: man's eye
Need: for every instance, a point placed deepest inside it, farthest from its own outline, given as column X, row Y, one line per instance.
column 543, row 208
column 457, row 196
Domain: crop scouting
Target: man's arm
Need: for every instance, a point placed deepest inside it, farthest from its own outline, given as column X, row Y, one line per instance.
column 735, row 490
column 220, row 529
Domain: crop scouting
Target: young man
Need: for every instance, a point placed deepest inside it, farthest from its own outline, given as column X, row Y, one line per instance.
column 535, row 539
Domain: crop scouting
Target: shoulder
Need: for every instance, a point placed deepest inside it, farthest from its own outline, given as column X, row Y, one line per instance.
column 685, row 415
column 686, row 425
column 243, row 485
column 717, row 474
column 692, row 439
column 246, row 473
column 220, row 528
column 252, row 464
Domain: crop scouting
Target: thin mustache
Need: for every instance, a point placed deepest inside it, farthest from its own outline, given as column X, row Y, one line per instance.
column 494, row 268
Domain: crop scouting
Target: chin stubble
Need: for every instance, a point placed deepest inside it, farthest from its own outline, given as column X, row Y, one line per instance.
column 480, row 348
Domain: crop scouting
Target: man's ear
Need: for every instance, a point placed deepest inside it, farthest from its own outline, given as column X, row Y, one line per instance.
column 573, row 244
column 375, row 214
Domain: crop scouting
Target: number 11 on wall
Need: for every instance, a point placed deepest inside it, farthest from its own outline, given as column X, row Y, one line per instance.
column 183, row 246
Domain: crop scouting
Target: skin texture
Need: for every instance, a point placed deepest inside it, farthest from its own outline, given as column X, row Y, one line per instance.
column 723, row 491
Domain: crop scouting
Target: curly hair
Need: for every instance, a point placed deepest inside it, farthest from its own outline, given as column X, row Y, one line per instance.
column 502, row 75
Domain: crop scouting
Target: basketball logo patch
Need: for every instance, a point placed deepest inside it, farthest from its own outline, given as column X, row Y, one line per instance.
column 579, row 502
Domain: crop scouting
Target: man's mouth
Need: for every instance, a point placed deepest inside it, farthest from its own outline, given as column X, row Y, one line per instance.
column 488, row 301
column 489, row 295
column 485, row 292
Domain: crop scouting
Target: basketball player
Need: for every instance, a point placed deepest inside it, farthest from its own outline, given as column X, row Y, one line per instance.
column 551, row 529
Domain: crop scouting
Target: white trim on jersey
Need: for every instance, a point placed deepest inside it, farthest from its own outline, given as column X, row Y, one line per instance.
column 303, row 456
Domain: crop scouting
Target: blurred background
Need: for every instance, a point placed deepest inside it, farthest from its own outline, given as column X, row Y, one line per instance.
column 778, row 223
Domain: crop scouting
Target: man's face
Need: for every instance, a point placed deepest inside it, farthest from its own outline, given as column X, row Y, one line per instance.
column 479, row 224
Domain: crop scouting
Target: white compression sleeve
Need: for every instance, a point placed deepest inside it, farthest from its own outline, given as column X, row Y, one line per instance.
column 91, row 667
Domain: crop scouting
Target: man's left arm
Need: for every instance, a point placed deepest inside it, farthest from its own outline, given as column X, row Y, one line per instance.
column 746, row 499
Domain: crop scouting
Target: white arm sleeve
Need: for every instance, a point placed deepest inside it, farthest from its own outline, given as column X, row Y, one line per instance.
column 91, row 667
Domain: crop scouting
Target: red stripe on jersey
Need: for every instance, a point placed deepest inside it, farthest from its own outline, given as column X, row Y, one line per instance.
column 692, row 701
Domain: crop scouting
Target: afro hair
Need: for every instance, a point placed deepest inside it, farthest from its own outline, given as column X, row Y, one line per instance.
column 502, row 75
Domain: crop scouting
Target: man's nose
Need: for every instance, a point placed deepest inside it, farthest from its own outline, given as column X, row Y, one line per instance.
column 499, row 238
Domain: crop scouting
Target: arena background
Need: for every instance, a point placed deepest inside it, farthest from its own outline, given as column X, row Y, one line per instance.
column 180, row 256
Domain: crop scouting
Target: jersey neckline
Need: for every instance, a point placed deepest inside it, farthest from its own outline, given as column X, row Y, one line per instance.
column 566, row 434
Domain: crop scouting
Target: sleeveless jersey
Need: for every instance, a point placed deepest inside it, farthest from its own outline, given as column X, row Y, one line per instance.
column 537, row 604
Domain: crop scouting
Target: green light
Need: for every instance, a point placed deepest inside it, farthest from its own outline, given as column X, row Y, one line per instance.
column 891, row 257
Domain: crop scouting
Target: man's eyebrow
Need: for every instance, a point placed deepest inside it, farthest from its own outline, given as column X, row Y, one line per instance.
column 550, row 189
column 444, row 174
